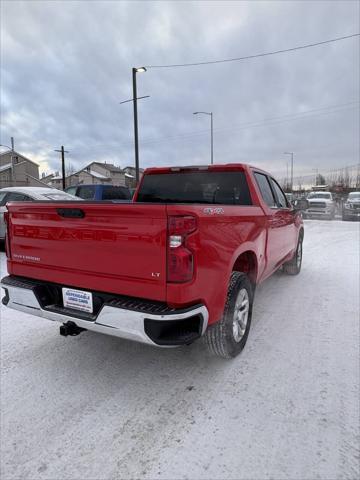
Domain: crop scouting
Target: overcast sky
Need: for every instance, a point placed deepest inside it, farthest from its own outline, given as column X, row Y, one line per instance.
column 65, row 66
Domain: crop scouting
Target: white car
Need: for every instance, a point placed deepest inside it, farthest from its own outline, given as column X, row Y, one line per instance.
column 28, row 194
column 351, row 208
column 321, row 204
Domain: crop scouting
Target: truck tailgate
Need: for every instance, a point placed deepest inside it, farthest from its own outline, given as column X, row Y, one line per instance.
column 117, row 248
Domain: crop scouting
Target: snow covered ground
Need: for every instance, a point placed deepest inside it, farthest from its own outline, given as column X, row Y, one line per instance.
column 97, row 407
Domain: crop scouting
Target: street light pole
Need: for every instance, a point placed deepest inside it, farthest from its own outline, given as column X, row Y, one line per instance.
column 212, row 139
column 292, row 169
column 287, row 175
column 316, row 170
column 136, row 133
column 212, row 132
column 136, row 138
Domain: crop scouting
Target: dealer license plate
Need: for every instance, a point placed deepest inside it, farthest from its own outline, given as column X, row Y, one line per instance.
column 77, row 299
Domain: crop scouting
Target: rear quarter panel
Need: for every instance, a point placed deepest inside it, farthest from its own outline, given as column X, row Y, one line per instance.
column 224, row 232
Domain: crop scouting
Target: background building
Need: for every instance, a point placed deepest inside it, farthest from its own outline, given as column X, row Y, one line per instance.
column 130, row 176
column 95, row 173
column 18, row 170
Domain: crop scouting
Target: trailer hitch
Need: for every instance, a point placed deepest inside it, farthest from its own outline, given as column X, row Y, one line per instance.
column 70, row 328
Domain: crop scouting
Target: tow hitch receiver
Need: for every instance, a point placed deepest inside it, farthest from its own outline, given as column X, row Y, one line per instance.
column 70, row 328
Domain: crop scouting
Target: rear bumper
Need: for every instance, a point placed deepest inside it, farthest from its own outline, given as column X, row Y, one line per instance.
column 138, row 322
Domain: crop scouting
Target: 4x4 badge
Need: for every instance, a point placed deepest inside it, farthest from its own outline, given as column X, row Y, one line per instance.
column 213, row 211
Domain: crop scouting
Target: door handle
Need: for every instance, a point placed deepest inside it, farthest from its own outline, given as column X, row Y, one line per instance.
column 70, row 212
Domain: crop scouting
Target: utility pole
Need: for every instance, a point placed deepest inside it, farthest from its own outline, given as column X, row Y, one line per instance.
column 13, row 179
column 62, row 151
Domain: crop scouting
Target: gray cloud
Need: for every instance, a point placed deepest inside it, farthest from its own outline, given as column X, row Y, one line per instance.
column 66, row 65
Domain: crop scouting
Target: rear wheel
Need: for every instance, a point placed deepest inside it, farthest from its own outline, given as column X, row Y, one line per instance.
column 228, row 336
column 293, row 266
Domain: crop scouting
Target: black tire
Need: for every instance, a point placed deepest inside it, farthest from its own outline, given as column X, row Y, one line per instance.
column 345, row 218
column 293, row 266
column 223, row 338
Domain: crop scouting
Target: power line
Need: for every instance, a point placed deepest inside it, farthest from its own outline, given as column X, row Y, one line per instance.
column 267, row 121
column 248, row 57
column 328, row 110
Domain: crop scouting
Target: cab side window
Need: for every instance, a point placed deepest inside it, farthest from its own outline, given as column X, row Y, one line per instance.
column 3, row 197
column 265, row 189
column 71, row 190
column 86, row 193
column 282, row 202
column 17, row 197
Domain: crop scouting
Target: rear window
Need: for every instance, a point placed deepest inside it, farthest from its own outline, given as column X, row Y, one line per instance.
column 17, row 197
column 324, row 196
column 354, row 196
column 224, row 188
column 116, row 193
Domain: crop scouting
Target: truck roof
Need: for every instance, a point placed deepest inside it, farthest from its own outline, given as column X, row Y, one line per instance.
column 217, row 168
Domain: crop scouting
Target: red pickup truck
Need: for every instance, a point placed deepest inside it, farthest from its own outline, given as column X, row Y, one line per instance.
column 179, row 262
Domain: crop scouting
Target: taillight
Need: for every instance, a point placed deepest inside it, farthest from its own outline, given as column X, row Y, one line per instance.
column 180, row 266
column 7, row 241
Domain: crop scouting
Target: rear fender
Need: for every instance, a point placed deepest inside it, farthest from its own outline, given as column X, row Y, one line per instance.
column 258, row 259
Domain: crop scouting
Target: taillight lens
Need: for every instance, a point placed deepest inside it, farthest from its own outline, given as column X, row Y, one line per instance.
column 7, row 241
column 180, row 258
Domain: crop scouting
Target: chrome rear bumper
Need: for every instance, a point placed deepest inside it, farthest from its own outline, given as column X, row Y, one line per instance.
column 141, row 326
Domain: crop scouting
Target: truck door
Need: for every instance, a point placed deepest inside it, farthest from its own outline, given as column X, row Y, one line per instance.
column 275, row 224
column 286, row 213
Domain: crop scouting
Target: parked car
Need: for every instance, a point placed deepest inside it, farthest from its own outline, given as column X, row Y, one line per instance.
column 351, row 207
column 181, row 261
column 100, row 192
column 321, row 204
column 27, row 194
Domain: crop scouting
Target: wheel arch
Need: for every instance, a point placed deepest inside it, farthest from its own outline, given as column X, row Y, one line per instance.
column 247, row 262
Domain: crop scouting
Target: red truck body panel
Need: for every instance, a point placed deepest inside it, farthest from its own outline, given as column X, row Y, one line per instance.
column 115, row 248
column 123, row 248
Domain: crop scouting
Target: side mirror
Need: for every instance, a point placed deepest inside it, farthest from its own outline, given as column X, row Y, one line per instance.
column 300, row 204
